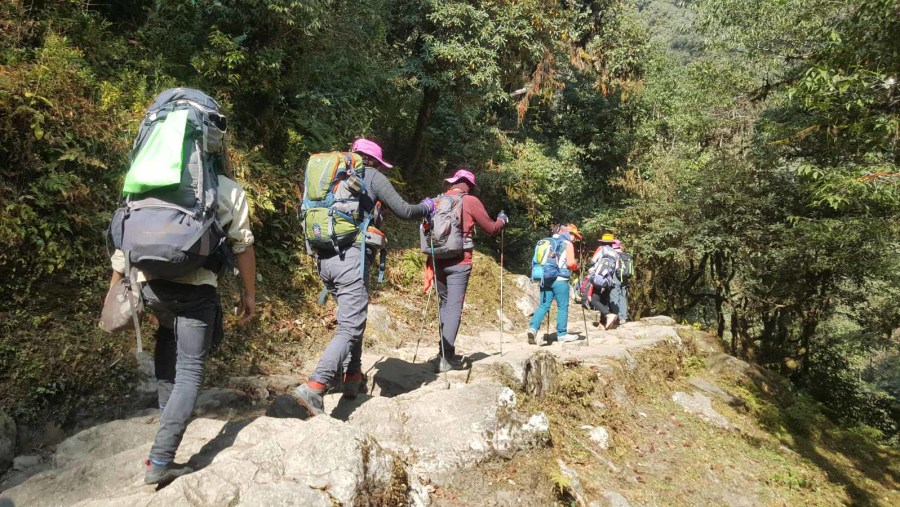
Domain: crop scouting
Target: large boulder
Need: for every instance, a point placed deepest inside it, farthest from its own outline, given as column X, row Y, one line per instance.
column 659, row 320
column 724, row 364
column 7, row 441
column 528, row 295
column 438, row 430
column 701, row 406
column 264, row 461
column 380, row 325
column 714, row 390
column 288, row 462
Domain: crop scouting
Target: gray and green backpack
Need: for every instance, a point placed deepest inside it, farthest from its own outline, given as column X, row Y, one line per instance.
column 167, row 225
column 331, row 213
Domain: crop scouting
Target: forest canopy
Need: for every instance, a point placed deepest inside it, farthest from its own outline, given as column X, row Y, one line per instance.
column 745, row 150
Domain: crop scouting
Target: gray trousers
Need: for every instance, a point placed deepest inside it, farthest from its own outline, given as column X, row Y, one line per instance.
column 452, row 282
column 618, row 300
column 342, row 278
column 189, row 317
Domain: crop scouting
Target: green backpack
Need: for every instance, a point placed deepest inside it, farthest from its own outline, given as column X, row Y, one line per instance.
column 330, row 211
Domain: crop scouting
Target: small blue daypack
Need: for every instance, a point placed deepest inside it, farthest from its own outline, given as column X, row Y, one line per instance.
column 545, row 262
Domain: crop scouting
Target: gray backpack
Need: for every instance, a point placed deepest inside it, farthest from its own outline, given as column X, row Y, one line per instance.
column 604, row 272
column 443, row 235
column 167, row 225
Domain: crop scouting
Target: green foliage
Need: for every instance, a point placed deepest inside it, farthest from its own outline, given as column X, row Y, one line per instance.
column 59, row 149
column 293, row 77
column 745, row 150
column 838, row 383
column 763, row 196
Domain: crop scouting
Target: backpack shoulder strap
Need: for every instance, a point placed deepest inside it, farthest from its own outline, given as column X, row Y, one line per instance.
column 560, row 246
column 132, row 305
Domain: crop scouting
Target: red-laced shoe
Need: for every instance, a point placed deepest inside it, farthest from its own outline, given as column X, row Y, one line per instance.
column 354, row 384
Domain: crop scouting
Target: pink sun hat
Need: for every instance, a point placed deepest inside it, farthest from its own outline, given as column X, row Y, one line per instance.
column 371, row 149
column 462, row 174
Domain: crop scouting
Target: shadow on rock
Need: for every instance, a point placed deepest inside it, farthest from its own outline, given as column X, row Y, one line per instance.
column 478, row 356
column 284, row 406
column 347, row 405
column 551, row 338
column 223, row 440
column 395, row 376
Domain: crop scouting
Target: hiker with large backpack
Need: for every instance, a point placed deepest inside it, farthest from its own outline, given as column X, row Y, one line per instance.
column 447, row 239
column 181, row 221
column 602, row 278
column 342, row 201
column 618, row 296
column 552, row 266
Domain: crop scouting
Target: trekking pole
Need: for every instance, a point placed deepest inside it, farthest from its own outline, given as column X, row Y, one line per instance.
column 549, row 311
column 139, row 347
column 501, row 290
column 586, row 333
column 578, row 286
column 135, row 319
column 422, row 329
column 438, row 305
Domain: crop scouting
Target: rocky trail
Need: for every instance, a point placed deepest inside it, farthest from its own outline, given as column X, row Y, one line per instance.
column 650, row 413
column 395, row 443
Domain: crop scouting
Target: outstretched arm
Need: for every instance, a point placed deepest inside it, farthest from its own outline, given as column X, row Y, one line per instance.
column 475, row 209
column 387, row 194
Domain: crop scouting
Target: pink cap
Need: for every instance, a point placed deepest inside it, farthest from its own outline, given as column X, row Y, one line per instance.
column 371, row 149
column 462, row 174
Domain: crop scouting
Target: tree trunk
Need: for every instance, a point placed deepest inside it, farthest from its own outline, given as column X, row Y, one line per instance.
column 430, row 98
column 734, row 332
column 720, row 279
column 720, row 317
column 807, row 331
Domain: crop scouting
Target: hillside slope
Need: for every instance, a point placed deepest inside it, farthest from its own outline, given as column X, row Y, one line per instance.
column 649, row 414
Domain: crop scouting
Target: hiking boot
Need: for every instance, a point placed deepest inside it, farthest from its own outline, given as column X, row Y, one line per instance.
column 532, row 333
column 566, row 338
column 157, row 474
column 353, row 384
column 453, row 363
column 310, row 399
column 611, row 320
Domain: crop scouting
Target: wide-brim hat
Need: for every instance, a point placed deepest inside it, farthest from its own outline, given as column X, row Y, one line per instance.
column 370, row 148
column 462, row 174
column 607, row 237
